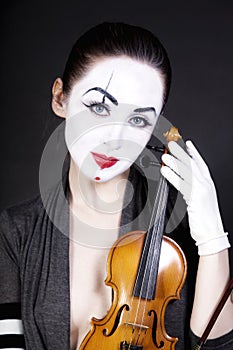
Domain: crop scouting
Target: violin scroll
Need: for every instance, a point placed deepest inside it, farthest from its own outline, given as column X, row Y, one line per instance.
column 172, row 135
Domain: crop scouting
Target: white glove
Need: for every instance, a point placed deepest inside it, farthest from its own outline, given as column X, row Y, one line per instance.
column 189, row 174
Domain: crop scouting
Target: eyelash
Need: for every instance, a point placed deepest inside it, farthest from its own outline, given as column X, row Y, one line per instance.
column 93, row 104
column 145, row 121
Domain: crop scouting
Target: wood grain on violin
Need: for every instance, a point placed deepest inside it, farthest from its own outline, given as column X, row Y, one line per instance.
column 133, row 322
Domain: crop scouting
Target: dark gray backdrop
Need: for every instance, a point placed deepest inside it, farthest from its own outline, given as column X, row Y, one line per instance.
column 37, row 37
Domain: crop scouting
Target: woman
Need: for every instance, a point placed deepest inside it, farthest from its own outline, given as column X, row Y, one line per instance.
column 54, row 248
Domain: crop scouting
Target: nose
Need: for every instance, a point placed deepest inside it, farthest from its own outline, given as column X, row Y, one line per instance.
column 114, row 138
column 114, row 145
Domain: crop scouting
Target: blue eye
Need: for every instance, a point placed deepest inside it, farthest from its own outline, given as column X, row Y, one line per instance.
column 139, row 121
column 98, row 108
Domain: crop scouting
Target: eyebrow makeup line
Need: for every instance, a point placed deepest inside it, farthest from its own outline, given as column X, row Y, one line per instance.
column 114, row 100
column 105, row 93
column 145, row 109
column 103, row 101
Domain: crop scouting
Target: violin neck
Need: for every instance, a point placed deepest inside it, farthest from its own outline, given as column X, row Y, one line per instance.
column 145, row 284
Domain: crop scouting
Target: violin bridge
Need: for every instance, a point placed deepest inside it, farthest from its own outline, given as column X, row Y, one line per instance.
column 129, row 346
column 136, row 325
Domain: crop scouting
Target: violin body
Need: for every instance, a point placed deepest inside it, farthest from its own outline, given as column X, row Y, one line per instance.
column 132, row 322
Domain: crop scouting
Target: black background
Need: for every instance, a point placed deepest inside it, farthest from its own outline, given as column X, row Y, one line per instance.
column 37, row 37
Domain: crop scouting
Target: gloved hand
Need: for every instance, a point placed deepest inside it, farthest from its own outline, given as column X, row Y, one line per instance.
column 189, row 174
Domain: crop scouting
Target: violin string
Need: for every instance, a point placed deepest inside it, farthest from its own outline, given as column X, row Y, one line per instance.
column 154, row 214
column 140, row 295
column 158, row 219
column 143, row 337
column 155, row 206
column 127, row 319
column 139, row 298
column 149, row 263
column 127, row 323
column 159, row 203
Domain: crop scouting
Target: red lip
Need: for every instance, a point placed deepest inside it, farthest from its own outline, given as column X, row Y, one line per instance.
column 103, row 161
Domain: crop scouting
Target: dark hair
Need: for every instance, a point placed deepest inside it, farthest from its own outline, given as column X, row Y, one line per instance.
column 116, row 39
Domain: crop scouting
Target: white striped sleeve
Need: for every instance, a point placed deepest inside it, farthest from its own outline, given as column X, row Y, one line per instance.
column 11, row 328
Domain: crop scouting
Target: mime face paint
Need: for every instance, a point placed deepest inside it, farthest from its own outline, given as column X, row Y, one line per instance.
column 111, row 114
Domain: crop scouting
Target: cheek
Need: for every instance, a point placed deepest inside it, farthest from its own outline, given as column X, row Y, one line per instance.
column 128, row 146
column 138, row 137
column 82, row 133
column 74, row 106
column 81, row 149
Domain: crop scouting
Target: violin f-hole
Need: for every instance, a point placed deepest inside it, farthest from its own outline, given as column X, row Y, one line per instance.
column 154, row 330
column 117, row 321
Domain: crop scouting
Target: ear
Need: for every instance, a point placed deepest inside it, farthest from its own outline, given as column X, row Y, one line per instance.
column 58, row 99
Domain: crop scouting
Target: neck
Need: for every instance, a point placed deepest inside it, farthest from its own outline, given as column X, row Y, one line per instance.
column 105, row 197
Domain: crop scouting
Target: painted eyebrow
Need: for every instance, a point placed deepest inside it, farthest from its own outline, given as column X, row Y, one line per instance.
column 115, row 102
column 105, row 93
column 145, row 109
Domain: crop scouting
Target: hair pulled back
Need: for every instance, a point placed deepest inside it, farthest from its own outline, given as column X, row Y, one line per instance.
column 116, row 39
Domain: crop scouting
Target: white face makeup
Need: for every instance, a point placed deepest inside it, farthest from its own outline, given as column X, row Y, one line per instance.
column 111, row 114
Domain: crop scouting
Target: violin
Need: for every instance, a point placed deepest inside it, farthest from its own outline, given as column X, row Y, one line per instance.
column 146, row 270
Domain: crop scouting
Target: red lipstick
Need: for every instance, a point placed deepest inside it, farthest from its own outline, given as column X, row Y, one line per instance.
column 103, row 161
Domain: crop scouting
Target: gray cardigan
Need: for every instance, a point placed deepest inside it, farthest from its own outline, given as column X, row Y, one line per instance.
column 34, row 269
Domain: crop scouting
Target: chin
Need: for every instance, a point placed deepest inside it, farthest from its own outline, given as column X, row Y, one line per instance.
column 101, row 177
